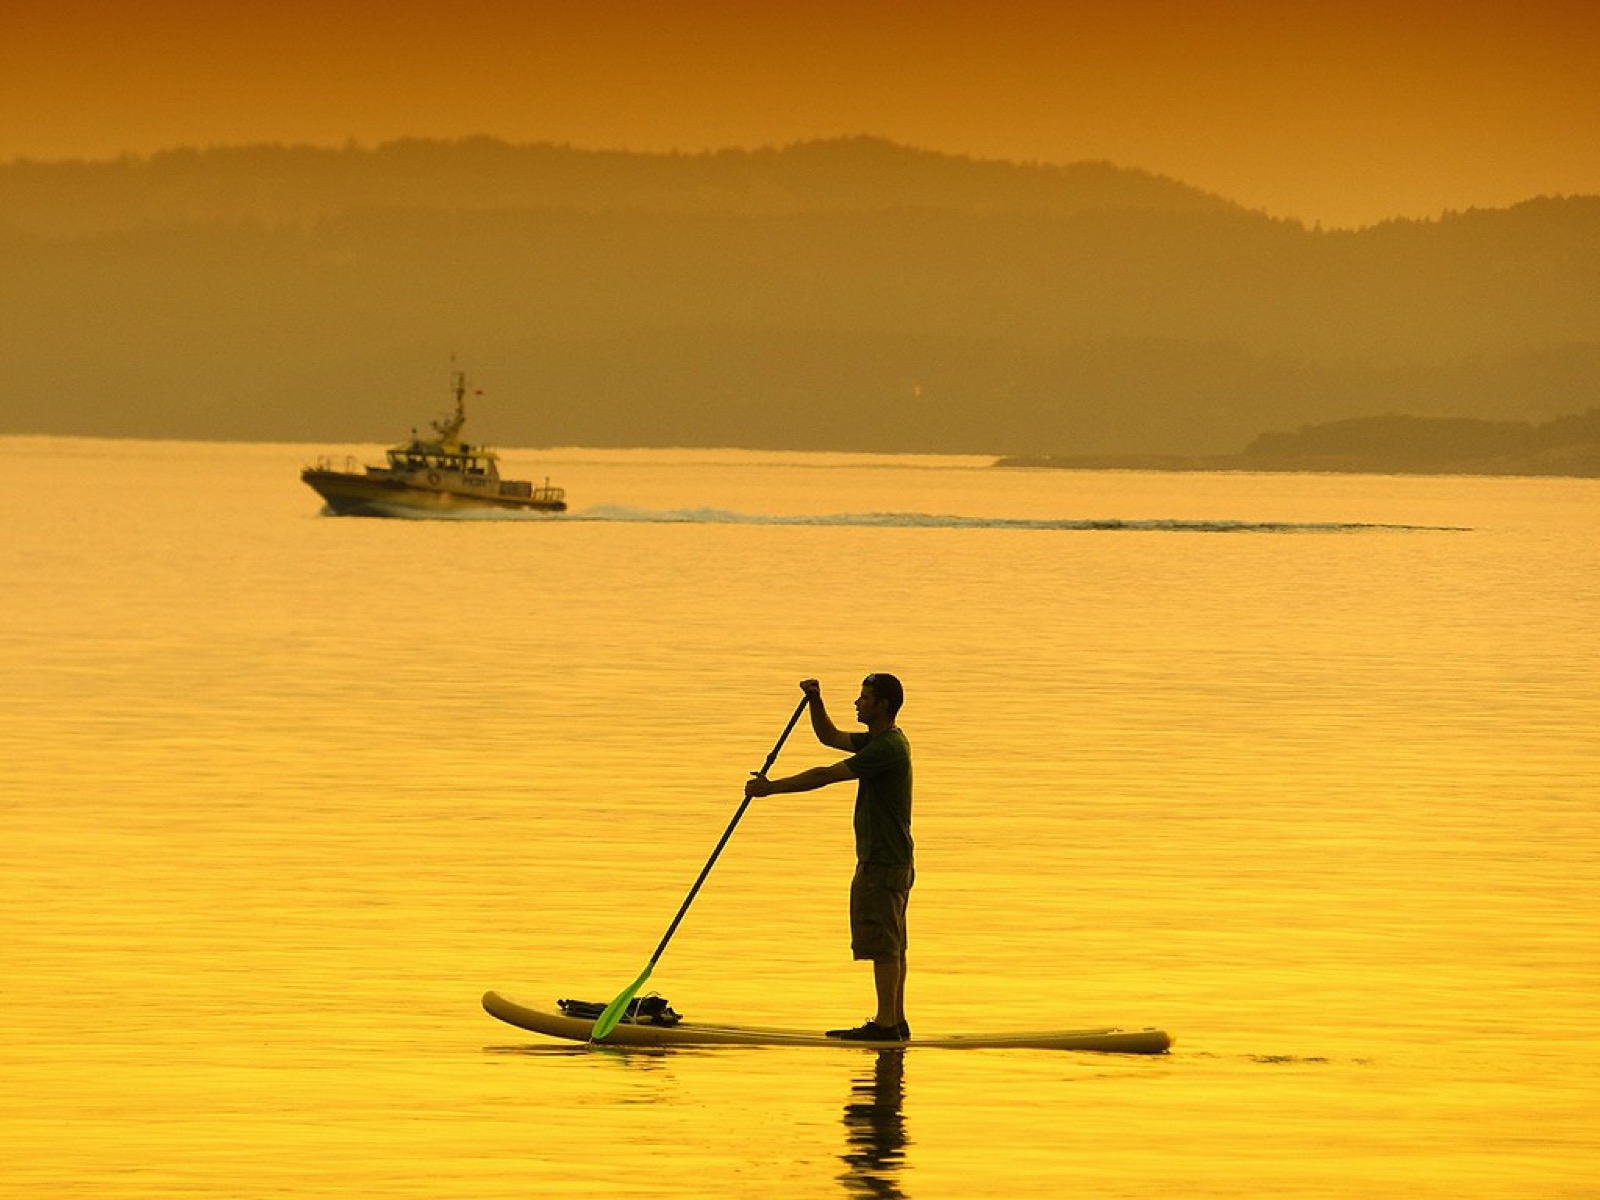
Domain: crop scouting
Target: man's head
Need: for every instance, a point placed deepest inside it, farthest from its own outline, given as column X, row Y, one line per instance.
column 886, row 690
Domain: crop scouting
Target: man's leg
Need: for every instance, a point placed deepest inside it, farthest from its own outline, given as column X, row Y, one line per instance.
column 878, row 897
column 889, row 978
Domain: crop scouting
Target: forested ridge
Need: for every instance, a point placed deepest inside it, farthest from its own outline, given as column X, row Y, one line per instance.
column 849, row 294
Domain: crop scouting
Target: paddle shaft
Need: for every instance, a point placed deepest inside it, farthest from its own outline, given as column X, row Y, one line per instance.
column 726, row 834
column 614, row 1011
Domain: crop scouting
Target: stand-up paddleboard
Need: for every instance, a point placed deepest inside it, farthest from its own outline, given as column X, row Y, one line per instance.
column 694, row 1033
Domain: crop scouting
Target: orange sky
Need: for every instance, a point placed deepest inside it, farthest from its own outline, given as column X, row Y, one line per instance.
column 1344, row 113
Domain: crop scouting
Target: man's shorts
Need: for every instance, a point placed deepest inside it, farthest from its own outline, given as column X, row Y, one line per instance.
column 878, row 896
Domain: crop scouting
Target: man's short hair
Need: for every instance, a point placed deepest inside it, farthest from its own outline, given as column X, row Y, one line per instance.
column 886, row 688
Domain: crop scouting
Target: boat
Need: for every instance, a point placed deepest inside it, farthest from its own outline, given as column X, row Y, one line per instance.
column 645, row 1033
column 441, row 476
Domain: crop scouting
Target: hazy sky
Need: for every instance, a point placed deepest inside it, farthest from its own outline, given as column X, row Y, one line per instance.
column 1344, row 113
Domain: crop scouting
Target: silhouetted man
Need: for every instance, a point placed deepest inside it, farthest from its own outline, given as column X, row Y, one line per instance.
column 880, row 763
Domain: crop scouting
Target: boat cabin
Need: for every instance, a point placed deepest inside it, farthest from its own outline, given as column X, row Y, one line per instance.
column 421, row 457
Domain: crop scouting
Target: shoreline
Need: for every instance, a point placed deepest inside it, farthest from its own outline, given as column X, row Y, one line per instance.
column 1584, row 464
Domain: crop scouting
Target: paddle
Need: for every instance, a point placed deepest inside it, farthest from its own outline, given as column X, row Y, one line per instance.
column 613, row 1013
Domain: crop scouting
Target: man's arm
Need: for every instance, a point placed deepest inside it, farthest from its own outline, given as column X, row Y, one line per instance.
column 805, row 781
column 822, row 724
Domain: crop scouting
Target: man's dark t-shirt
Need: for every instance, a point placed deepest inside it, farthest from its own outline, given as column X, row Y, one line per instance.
column 882, row 767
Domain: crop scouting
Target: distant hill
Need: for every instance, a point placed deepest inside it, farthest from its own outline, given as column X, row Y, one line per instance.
column 1388, row 445
column 848, row 294
column 277, row 184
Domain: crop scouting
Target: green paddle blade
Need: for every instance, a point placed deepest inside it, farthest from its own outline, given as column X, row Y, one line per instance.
column 613, row 1013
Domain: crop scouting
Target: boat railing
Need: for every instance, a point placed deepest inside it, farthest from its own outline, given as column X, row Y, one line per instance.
column 348, row 465
column 523, row 490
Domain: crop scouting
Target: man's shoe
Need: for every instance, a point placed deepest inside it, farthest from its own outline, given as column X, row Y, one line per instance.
column 871, row 1032
column 903, row 1031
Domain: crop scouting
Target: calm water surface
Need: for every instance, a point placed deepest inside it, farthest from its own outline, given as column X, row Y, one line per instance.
column 1299, row 768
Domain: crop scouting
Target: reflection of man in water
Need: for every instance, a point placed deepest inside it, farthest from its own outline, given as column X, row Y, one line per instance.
column 880, row 762
column 875, row 1129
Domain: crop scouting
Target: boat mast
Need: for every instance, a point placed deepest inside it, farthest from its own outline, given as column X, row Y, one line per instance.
column 449, row 429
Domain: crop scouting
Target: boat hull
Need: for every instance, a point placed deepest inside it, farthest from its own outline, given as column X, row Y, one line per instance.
column 347, row 494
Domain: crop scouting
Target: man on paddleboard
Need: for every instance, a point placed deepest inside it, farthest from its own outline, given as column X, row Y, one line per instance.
column 880, row 763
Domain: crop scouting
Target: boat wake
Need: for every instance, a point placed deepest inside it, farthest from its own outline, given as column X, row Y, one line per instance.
column 625, row 515
column 405, row 512
column 715, row 516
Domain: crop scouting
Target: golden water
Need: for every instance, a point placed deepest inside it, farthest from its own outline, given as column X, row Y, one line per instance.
column 283, row 794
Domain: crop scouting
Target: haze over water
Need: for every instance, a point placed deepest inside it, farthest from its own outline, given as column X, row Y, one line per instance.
column 1299, row 768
